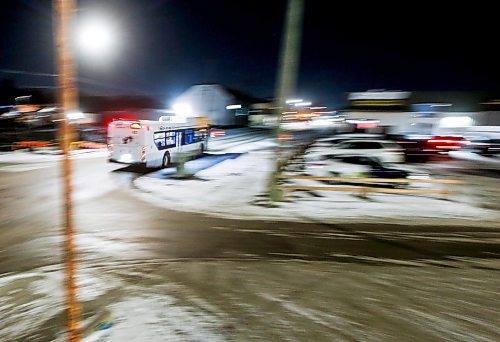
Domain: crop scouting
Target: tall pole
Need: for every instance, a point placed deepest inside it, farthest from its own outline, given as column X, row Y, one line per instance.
column 287, row 79
column 67, row 97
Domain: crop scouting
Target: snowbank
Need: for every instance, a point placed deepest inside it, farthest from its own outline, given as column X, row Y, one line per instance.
column 32, row 305
column 236, row 188
column 476, row 159
column 256, row 143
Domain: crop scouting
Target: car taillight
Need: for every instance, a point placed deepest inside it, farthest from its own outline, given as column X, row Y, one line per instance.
column 442, row 141
column 135, row 125
column 444, row 144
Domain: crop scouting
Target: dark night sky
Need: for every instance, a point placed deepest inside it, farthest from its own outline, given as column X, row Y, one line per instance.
column 167, row 45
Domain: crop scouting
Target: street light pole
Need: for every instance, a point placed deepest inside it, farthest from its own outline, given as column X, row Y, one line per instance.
column 67, row 98
column 287, row 79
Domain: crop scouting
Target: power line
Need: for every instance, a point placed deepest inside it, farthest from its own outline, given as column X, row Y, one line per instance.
column 79, row 80
column 24, row 86
column 23, row 72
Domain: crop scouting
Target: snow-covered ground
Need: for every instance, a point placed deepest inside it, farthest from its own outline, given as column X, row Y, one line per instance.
column 19, row 157
column 265, row 298
column 476, row 160
column 21, row 161
column 391, row 300
column 236, row 188
column 241, row 140
column 32, row 304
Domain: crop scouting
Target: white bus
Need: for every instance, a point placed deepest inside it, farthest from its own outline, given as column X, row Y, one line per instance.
column 155, row 143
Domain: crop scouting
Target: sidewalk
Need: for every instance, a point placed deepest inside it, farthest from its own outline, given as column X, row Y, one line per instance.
column 236, row 188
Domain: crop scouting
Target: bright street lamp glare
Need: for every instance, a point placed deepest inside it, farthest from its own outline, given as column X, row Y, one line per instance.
column 96, row 37
column 182, row 109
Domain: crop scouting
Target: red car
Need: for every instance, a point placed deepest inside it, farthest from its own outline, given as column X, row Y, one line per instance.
column 425, row 147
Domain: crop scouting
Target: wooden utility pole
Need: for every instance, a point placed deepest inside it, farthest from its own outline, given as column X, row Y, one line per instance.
column 287, row 80
column 67, row 98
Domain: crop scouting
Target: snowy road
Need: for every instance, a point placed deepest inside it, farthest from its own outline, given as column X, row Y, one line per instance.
column 264, row 300
column 166, row 275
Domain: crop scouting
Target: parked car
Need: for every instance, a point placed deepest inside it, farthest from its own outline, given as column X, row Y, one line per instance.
column 336, row 139
column 359, row 166
column 445, row 143
column 384, row 150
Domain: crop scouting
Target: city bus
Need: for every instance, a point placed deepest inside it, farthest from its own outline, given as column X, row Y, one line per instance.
column 155, row 144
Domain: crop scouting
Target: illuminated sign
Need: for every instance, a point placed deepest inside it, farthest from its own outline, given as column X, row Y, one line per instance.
column 27, row 108
column 379, row 95
column 378, row 103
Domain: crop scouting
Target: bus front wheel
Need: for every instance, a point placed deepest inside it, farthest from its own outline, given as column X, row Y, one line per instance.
column 166, row 160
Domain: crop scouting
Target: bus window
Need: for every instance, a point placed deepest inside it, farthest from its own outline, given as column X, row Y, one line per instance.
column 189, row 137
column 170, row 139
column 164, row 140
